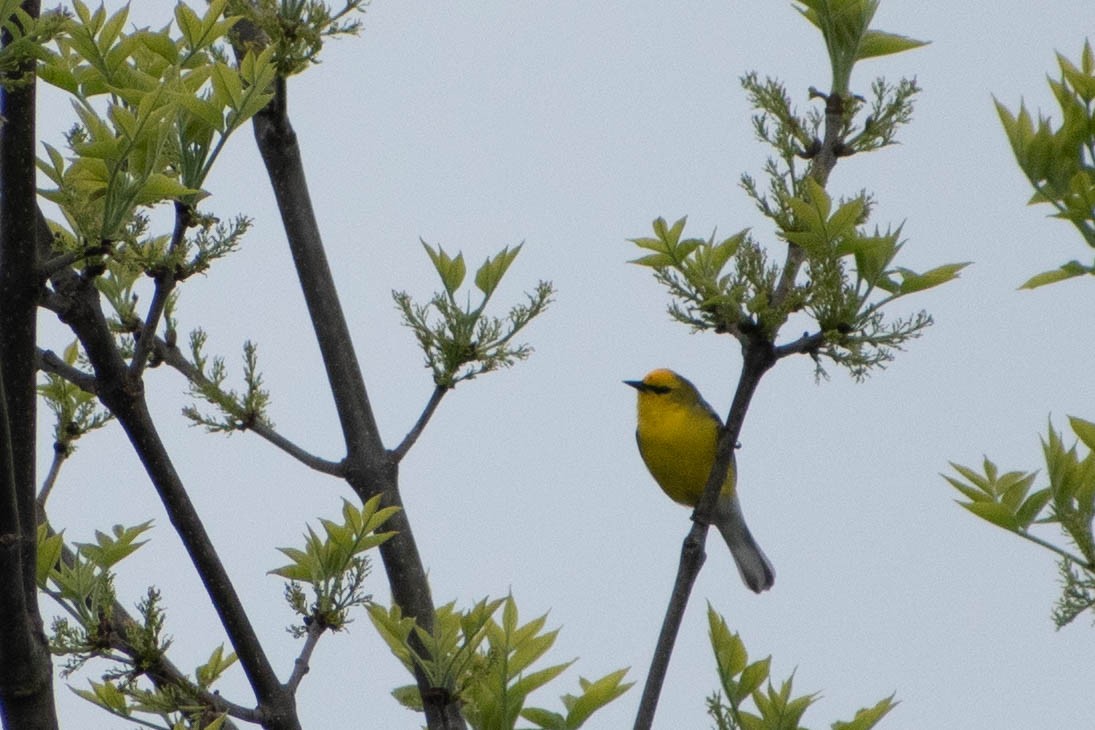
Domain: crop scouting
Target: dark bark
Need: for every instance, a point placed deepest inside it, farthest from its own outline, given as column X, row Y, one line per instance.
column 370, row 468
column 122, row 392
column 758, row 355
column 26, row 670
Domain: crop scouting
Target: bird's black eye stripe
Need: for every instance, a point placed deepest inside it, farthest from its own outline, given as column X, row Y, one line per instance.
column 659, row 389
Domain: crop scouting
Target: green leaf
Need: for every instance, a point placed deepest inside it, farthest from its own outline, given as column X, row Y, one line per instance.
column 1065, row 271
column 868, row 717
column 159, row 187
column 973, row 494
column 730, row 655
column 877, row 43
column 113, row 27
column 913, row 282
column 1013, row 488
column 451, row 270
column 203, row 109
column 1030, row 509
column 545, row 719
column 596, row 695
column 974, row 478
column 753, row 677
column 491, row 272
column 654, row 260
column 109, row 550
column 227, row 87
column 408, row 696
column 189, row 23
column 106, row 695
column 528, row 683
column 160, row 44
column 994, row 512
column 1085, row 430
column 669, row 235
column 72, row 351
column 49, row 554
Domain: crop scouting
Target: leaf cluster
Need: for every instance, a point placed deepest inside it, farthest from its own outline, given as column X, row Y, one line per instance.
column 76, row 412
column 488, row 665
column 1059, row 161
column 168, row 704
column 851, row 277
column 460, row 341
column 25, row 37
column 729, row 286
column 706, row 296
column 837, row 271
column 334, row 566
column 845, row 26
column 295, row 30
column 82, row 583
column 154, row 112
column 748, row 684
column 1068, row 501
column 237, row 411
column 794, row 136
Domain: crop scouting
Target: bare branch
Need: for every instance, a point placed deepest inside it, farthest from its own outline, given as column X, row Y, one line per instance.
column 173, row 357
column 302, row 663
column 165, row 282
column 50, row 362
column 758, row 357
column 412, row 436
column 806, row 344
column 59, row 456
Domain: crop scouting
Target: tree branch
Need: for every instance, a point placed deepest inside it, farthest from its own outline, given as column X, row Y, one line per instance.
column 26, row 671
column 821, row 166
column 369, row 468
column 59, row 457
column 806, row 344
column 412, row 436
column 165, row 282
column 302, row 664
column 123, row 395
column 758, row 357
column 162, row 671
column 49, row 362
column 175, row 359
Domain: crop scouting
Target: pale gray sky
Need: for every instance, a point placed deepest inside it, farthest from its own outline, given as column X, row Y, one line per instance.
column 570, row 126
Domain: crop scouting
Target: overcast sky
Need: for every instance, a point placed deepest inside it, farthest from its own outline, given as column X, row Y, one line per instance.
column 570, row 126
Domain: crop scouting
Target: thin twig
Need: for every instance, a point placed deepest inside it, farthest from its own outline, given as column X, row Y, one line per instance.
column 412, row 436
column 55, row 264
column 175, row 359
column 804, row 344
column 59, row 456
column 693, row 556
column 49, row 362
column 164, row 284
column 123, row 397
column 302, row 663
column 821, row 166
column 758, row 357
column 1060, row 551
column 162, row 671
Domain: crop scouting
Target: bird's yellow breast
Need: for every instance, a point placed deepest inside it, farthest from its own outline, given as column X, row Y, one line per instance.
column 677, row 441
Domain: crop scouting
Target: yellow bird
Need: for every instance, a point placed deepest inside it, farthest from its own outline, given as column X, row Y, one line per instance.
column 677, row 435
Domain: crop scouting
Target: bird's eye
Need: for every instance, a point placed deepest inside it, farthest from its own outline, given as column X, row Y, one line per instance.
column 659, row 389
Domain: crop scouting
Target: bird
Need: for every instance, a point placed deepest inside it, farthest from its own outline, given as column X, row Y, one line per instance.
column 677, row 434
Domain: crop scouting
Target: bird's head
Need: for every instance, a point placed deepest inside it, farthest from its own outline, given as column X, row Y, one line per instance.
column 665, row 384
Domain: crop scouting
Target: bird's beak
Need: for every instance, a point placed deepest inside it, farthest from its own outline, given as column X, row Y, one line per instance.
column 636, row 384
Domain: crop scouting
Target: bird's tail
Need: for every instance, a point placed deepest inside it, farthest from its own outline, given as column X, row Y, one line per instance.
column 755, row 570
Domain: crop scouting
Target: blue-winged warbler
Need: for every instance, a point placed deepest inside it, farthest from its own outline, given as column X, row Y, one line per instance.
column 677, row 435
